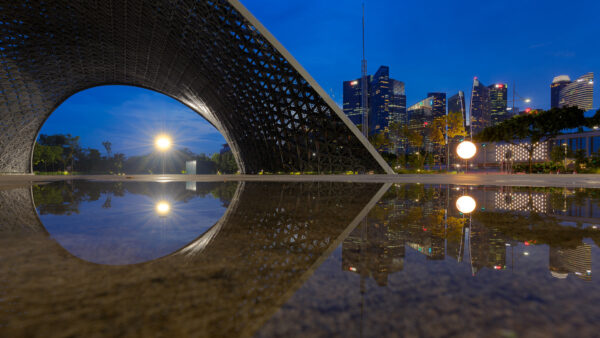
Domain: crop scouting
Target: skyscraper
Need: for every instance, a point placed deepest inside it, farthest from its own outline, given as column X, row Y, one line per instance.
column 579, row 93
column 498, row 103
column 353, row 100
column 379, row 100
column 398, row 102
column 438, row 104
column 480, row 107
column 419, row 115
column 386, row 100
column 558, row 83
column 456, row 104
column 398, row 114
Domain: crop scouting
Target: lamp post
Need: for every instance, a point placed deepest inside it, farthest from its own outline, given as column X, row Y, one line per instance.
column 466, row 150
column 520, row 99
column 163, row 143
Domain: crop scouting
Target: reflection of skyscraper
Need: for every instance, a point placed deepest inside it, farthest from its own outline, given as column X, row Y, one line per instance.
column 480, row 107
column 373, row 252
column 579, row 93
column 577, row 261
column 558, row 83
column 498, row 103
column 487, row 248
column 455, row 246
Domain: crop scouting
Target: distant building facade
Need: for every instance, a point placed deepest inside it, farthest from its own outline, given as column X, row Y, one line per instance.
column 558, row 83
column 353, row 100
column 380, row 95
column 579, row 93
column 456, row 104
column 420, row 115
column 480, row 107
column 498, row 103
column 438, row 105
column 386, row 100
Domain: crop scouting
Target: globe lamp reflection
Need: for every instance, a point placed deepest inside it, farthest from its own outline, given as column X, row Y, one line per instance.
column 466, row 204
column 466, row 150
column 163, row 142
column 163, row 208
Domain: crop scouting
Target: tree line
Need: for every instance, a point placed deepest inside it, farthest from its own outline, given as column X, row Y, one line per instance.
column 532, row 130
column 426, row 144
column 63, row 153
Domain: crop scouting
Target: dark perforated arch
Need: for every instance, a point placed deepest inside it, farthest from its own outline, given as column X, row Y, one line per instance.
column 213, row 56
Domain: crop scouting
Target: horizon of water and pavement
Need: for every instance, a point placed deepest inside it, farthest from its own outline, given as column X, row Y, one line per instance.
column 523, row 180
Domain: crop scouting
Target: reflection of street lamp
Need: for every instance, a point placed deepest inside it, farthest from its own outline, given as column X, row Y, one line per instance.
column 466, row 204
column 163, row 208
column 565, row 161
column 466, row 150
column 163, row 143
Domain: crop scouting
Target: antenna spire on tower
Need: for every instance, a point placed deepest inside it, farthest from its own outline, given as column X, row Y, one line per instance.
column 364, row 86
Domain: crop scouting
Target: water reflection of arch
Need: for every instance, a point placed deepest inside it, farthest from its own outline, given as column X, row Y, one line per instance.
column 222, row 284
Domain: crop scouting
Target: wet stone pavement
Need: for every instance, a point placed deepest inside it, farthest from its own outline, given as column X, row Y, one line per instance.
column 319, row 259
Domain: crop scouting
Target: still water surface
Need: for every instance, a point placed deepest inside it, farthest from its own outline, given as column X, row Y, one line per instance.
column 85, row 258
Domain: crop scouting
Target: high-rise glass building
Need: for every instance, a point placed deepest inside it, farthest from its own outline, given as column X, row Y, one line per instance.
column 558, row 83
column 498, row 103
column 480, row 107
column 386, row 100
column 438, row 106
column 420, row 115
column 353, row 100
column 380, row 94
column 579, row 93
column 456, row 104
column 397, row 105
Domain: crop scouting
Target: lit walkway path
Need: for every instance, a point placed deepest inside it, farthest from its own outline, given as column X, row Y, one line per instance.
column 567, row 180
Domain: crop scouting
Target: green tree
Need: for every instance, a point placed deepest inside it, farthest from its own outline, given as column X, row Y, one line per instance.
column 226, row 163
column 581, row 159
column 531, row 130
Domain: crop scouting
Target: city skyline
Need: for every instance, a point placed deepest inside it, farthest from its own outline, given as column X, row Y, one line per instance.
column 530, row 57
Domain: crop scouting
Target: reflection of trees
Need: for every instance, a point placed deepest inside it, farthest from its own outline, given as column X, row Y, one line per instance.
column 63, row 198
column 536, row 228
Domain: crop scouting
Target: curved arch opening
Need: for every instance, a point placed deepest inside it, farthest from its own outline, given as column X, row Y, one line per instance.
column 127, row 223
column 117, row 129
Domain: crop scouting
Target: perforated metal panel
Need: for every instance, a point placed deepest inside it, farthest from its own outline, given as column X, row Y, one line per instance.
column 213, row 56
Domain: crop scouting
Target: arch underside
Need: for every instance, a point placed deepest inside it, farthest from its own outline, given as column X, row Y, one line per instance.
column 210, row 55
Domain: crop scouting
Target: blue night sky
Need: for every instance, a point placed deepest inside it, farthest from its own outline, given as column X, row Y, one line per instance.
column 430, row 45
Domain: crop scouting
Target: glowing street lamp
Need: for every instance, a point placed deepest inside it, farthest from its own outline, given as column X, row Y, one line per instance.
column 163, row 208
column 466, row 204
column 163, row 143
column 466, row 150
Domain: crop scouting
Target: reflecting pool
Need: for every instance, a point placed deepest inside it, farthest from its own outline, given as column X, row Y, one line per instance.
column 81, row 258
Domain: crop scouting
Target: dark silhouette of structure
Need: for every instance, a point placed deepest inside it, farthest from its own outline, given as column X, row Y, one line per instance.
column 213, row 56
